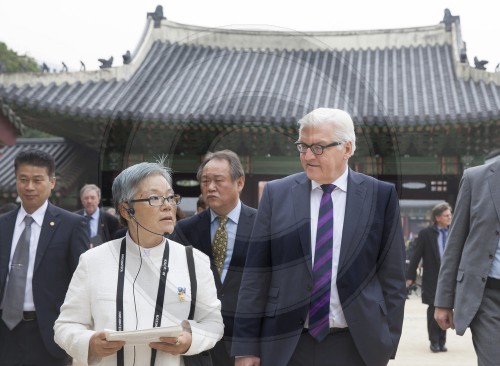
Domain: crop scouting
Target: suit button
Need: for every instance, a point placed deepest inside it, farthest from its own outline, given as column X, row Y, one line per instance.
column 301, row 322
column 491, row 256
column 309, row 287
column 483, row 279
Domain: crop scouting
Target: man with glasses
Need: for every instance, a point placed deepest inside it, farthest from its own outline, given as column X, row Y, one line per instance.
column 324, row 281
column 221, row 232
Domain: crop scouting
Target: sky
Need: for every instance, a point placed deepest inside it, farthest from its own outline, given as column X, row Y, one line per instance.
column 56, row 31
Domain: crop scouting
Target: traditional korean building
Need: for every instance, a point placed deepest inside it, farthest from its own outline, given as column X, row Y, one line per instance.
column 422, row 113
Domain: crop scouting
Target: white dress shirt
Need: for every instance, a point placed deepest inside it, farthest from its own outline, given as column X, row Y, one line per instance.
column 339, row 195
column 94, row 223
column 231, row 228
column 36, row 228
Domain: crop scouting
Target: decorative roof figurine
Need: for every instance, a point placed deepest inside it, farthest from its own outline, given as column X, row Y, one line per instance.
column 449, row 19
column 157, row 16
column 64, row 67
column 479, row 64
column 127, row 58
column 106, row 64
column 82, row 66
column 45, row 68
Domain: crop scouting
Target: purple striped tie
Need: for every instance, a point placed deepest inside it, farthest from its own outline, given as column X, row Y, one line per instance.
column 319, row 308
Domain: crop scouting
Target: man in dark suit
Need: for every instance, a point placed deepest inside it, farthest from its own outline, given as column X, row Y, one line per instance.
column 468, row 290
column 55, row 238
column 429, row 248
column 102, row 226
column 222, row 178
column 324, row 280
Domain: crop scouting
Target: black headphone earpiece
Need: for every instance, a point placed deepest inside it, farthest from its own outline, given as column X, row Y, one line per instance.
column 131, row 211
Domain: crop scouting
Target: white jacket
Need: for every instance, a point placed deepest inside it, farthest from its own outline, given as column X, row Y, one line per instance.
column 90, row 303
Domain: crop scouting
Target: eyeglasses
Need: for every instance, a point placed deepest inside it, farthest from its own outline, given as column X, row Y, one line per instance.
column 315, row 148
column 156, row 201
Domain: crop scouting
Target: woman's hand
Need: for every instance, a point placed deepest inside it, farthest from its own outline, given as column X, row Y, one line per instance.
column 174, row 346
column 100, row 347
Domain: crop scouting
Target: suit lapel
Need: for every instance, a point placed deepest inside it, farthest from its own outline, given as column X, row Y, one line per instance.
column 358, row 211
column 301, row 201
column 204, row 232
column 50, row 223
column 493, row 183
column 101, row 226
column 242, row 237
column 243, row 231
column 435, row 243
column 6, row 233
column 205, row 244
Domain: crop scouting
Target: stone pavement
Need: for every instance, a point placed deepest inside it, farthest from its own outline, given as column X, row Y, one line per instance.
column 414, row 345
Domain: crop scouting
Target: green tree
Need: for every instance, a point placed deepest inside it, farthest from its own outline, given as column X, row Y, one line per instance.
column 11, row 62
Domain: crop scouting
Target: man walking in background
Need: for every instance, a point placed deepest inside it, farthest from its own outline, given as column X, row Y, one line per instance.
column 101, row 224
column 429, row 248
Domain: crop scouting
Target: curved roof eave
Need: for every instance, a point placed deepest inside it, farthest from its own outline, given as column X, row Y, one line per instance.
column 183, row 73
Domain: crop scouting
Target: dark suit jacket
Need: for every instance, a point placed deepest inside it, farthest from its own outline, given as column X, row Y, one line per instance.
column 426, row 248
column 108, row 225
column 277, row 281
column 195, row 230
column 62, row 239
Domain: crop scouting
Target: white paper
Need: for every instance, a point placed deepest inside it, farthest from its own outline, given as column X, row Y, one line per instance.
column 143, row 336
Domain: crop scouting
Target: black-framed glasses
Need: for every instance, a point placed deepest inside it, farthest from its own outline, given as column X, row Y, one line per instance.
column 315, row 148
column 156, row 201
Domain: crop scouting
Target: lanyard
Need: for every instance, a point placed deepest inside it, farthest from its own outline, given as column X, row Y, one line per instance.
column 159, row 298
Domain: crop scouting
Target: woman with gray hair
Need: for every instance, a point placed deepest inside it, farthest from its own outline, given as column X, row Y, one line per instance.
column 139, row 282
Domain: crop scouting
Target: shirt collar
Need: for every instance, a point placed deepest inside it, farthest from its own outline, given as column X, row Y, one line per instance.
column 95, row 215
column 340, row 182
column 37, row 216
column 234, row 215
column 441, row 228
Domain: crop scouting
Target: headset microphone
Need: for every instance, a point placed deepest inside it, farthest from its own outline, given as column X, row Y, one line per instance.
column 131, row 212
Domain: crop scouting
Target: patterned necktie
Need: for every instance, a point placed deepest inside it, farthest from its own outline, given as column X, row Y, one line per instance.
column 13, row 300
column 219, row 245
column 89, row 227
column 319, row 324
column 444, row 236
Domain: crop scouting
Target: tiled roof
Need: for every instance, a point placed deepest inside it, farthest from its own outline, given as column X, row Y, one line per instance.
column 68, row 157
column 180, row 83
column 193, row 82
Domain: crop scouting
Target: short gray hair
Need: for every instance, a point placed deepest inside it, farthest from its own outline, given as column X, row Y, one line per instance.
column 235, row 168
column 90, row 187
column 341, row 122
column 125, row 185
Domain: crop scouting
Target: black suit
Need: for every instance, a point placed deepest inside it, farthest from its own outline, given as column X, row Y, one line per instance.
column 195, row 230
column 427, row 250
column 107, row 227
column 63, row 237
